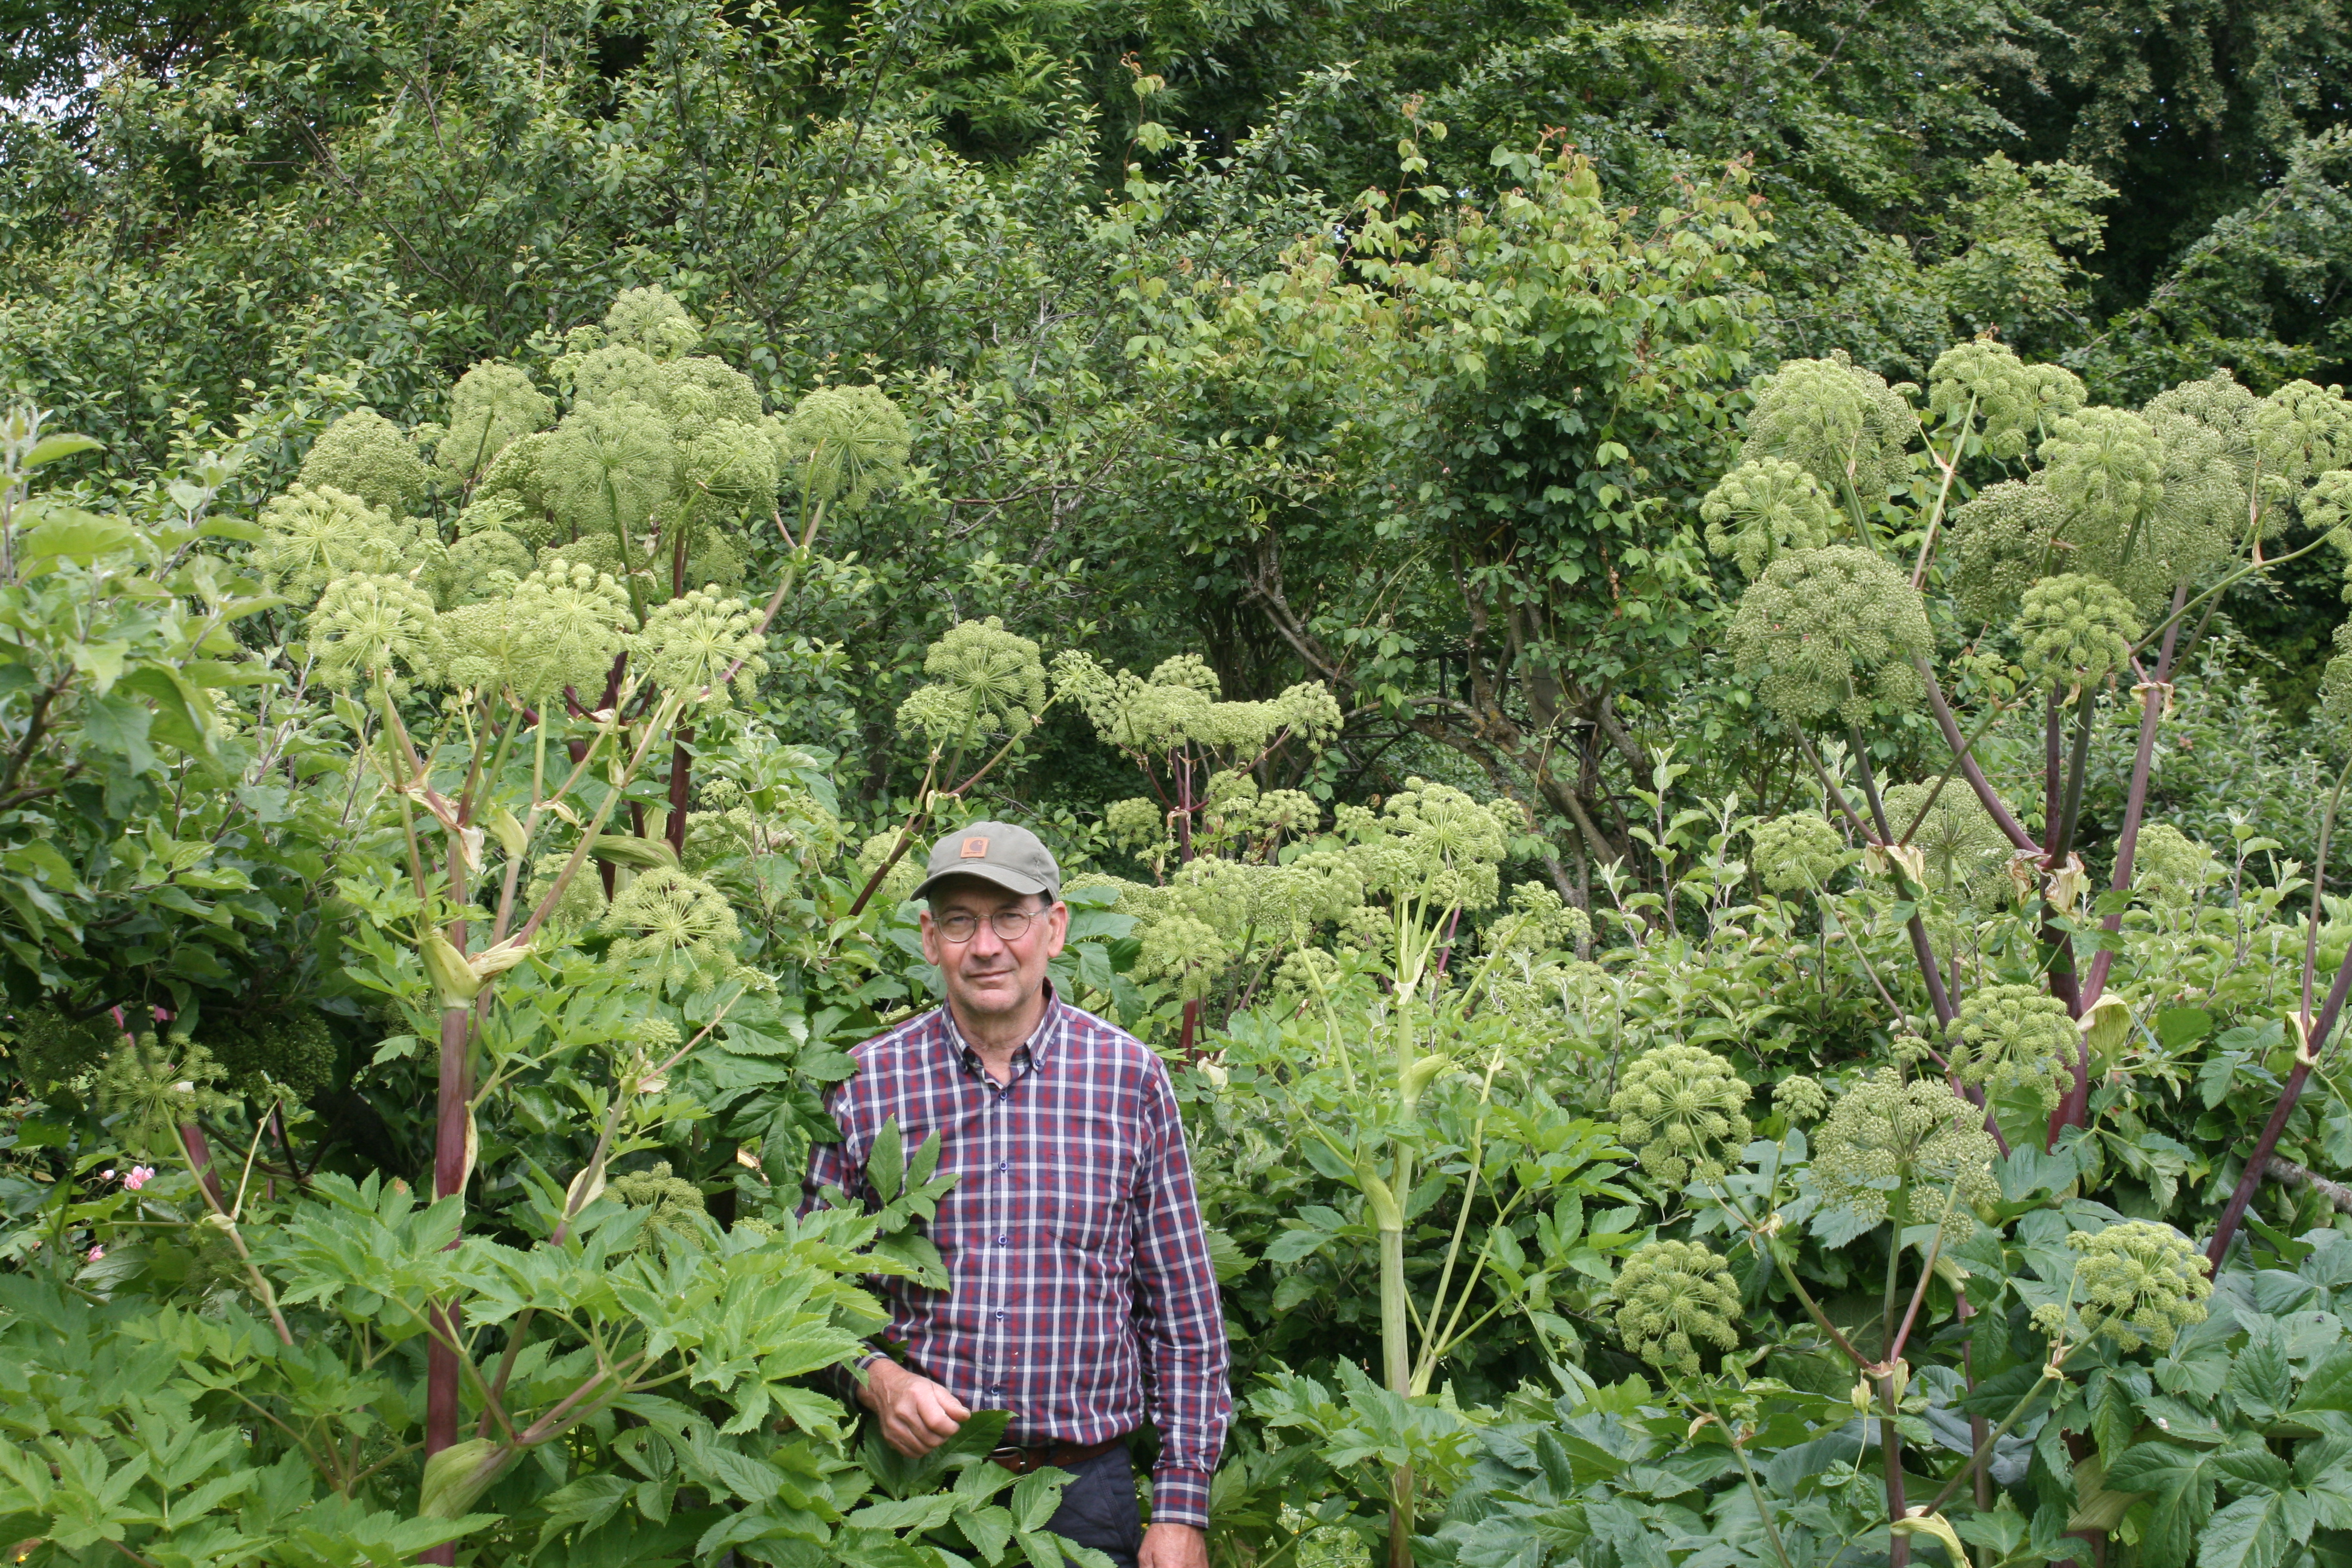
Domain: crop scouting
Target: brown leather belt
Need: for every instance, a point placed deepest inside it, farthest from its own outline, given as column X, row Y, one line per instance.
column 1060, row 1456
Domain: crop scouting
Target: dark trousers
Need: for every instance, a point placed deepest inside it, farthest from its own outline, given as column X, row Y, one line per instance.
column 1098, row 1508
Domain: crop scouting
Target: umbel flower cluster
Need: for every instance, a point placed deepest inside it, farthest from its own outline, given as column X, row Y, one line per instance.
column 1962, row 852
column 2117, row 510
column 1799, row 853
column 673, row 1205
column 2072, row 631
column 1763, row 510
column 1886, row 1135
column 984, row 681
column 1430, row 847
column 2139, row 1282
column 588, row 523
column 157, row 1081
column 1180, row 704
column 2169, row 867
column 677, row 928
column 2012, row 1036
column 1672, row 1297
column 1832, row 631
column 1684, row 1110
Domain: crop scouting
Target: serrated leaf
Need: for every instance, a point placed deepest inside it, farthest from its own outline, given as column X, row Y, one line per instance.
column 2260, row 1379
column 1037, row 1495
column 926, row 1161
column 989, row 1530
column 886, row 1164
column 2249, row 1534
column 587, row 1502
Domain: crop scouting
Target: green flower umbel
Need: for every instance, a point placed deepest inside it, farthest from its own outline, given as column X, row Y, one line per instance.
column 2139, row 1282
column 1671, row 1297
column 1684, row 1109
column 2012, row 1035
column 1830, row 631
column 673, row 1205
column 2074, row 630
column 1801, row 1098
column 1885, row 1135
column 1798, row 852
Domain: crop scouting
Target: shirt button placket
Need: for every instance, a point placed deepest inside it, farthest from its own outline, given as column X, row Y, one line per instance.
column 1001, row 1206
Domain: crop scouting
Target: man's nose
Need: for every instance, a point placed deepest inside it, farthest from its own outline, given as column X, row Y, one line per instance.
column 984, row 941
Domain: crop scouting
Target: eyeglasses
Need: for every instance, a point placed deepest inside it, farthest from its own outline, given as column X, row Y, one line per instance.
column 1008, row 924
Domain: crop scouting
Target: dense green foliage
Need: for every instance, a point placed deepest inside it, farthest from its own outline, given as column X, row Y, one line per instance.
column 1680, row 658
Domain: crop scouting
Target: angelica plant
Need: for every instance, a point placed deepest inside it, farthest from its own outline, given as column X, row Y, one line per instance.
column 1179, row 731
column 1798, row 853
column 517, row 674
column 2139, row 1282
column 2081, row 549
column 1193, row 749
column 1910, row 1154
column 987, row 685
column 1393, row 1013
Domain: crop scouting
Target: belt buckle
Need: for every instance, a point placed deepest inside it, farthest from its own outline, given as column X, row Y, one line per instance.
column 1013, row 1456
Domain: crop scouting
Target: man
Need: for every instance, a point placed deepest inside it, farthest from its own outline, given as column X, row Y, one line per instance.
column 1082, row 1297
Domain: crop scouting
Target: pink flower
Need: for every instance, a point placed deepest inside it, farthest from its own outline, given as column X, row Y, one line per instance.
column 107, row 1175
column 96, row 1253
column 139, row 1177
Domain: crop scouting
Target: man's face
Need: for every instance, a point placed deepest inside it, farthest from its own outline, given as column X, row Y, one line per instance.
column 989, row 975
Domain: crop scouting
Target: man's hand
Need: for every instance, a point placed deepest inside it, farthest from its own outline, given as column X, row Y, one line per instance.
column 1169, row 1545
column 917, row 1415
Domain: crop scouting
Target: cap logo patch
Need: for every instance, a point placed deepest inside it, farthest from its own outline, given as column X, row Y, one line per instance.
column 974, row 849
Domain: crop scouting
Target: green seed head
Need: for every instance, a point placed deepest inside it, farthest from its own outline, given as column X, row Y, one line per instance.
column 2169, row 867
column 1884, row 1133
column 366, row 455
column 1671, row 1298
column 2139, row 1282
column 1798, row 852
column 2008, row 1036
column 1830, row 632
column 1800, row 1098
column 2073, row 631
column 1764, row 509
column 1684, row 1110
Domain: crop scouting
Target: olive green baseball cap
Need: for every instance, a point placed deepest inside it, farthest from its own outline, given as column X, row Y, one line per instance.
column 997, row 852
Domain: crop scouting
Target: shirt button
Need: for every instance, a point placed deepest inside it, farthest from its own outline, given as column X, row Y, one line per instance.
column 1003, row 1165
column 1004, row 1240
column 999, row 1317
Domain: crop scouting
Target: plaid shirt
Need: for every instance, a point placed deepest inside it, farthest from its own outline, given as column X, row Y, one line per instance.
column 1083, row 1299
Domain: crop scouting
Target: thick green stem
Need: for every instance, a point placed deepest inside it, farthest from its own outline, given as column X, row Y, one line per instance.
column 1891, row 1445
column 1396, row 1350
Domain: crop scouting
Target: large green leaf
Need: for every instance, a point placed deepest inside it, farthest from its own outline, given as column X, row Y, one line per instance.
column 2251, row 1533
column 2180, row 1498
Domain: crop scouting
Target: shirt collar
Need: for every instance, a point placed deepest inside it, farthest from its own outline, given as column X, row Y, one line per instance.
column 1034, row 1048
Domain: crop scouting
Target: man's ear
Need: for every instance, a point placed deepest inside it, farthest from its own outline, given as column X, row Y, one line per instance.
column 1057, row 928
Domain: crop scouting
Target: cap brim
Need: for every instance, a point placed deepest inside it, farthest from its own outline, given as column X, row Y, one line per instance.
column 1009, row 881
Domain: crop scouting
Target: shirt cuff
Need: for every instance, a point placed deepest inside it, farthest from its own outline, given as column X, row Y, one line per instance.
column 1179, row 1496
